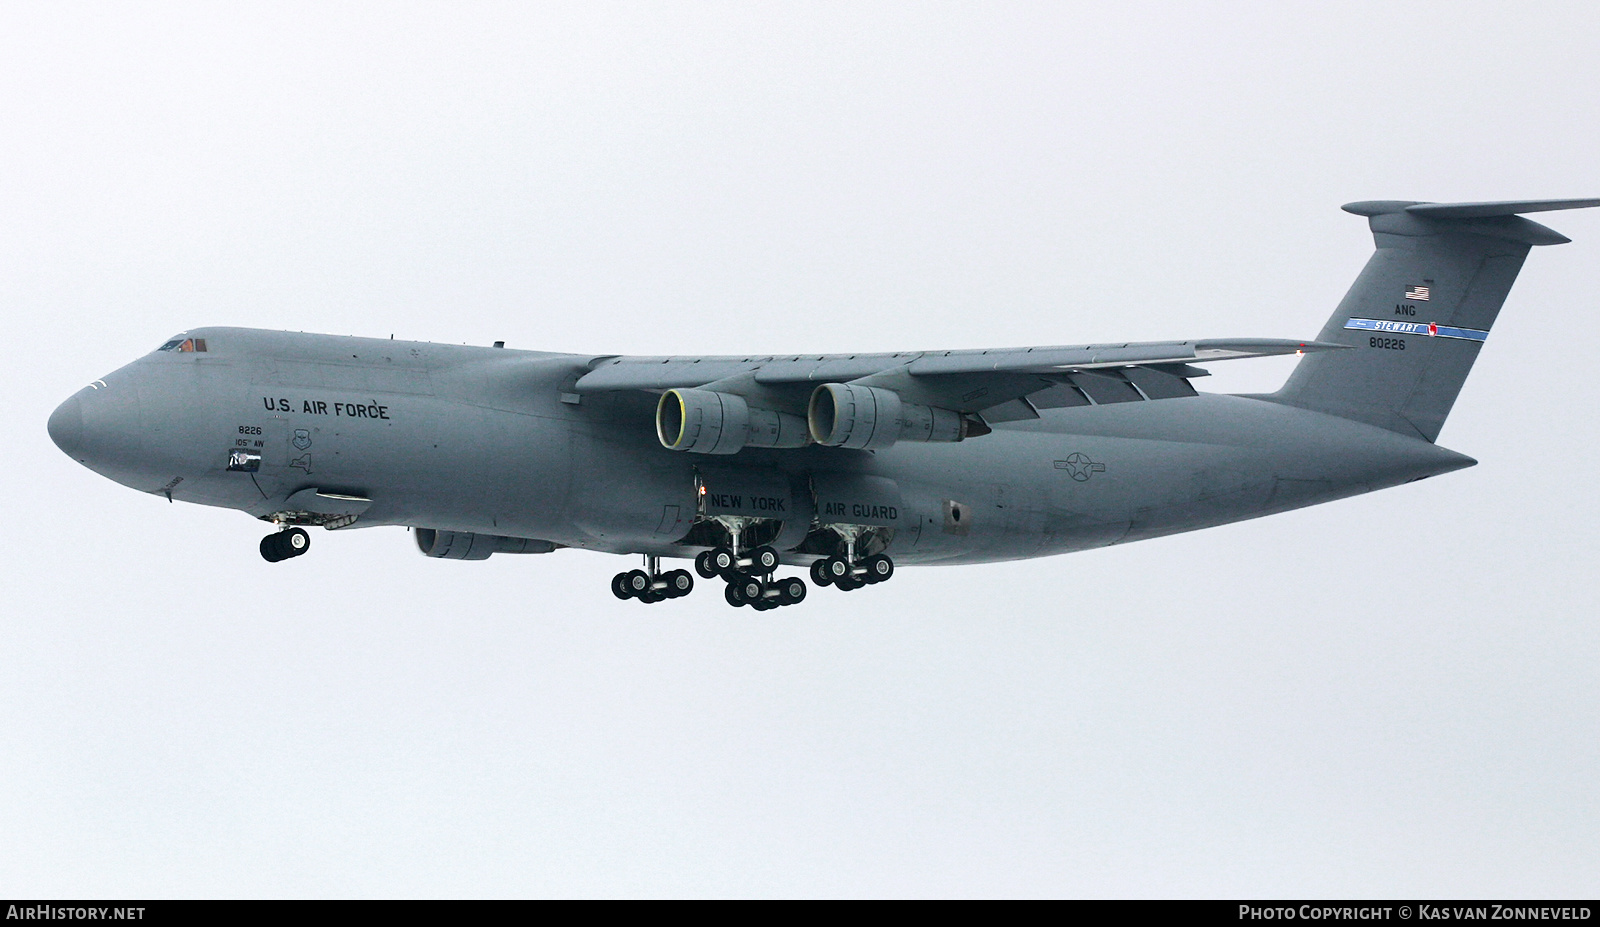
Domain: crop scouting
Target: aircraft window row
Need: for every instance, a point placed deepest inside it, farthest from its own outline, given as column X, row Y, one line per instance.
column 185, row 345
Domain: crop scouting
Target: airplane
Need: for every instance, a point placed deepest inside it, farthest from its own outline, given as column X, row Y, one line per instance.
column 845, row 465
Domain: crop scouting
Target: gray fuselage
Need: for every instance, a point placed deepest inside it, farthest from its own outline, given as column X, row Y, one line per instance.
column 493, row 442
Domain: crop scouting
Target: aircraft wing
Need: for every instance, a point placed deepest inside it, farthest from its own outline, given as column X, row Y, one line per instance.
column 967, row 381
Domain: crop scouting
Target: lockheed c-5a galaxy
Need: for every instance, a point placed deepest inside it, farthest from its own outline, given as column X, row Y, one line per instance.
column 845, row 465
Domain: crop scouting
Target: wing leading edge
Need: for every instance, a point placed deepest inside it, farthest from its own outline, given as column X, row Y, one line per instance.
column 658, row 373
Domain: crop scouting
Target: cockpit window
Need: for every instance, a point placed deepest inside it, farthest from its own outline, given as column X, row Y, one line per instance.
column 185, row 345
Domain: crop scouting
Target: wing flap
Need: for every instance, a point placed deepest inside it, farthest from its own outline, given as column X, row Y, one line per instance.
column 1104, row 388
column 1156, row 384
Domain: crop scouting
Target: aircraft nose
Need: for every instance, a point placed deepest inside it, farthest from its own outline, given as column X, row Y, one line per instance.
column 66, row 428
column 99, row 427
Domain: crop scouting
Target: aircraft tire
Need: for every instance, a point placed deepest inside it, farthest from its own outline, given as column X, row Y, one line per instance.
column 764, row 560
column 722, row 561
column 679, row 583
column 702, row 565
column 619, row 586
column 837, row 569
column 879, row 568
column 751, row 588
column 731, row 594
column 269, row 549
column 638, row 582
column 819, row 573
column 794, row 590
column 295, row 541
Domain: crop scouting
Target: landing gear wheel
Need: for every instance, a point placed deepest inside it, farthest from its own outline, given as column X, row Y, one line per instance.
column 702, row 565
column 285, row 544
column 837, row 569
column 791, row 590
column 751, row 588
column 619, row 586
column 731, row 594
column 763, row 560
column 638, row 582
column 722, row 561
column 848, row 583
column 879, row 568
column 764, row 605
column 819, row 573
column 679, row 583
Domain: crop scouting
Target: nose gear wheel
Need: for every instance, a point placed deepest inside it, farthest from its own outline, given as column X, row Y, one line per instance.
column 285, row 545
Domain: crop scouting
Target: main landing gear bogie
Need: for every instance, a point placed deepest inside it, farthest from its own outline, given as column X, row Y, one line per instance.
column 846, row 576
column 651, row 586
column 285, row 544
column 748, row 577
column 722, row 561
column 764, row 594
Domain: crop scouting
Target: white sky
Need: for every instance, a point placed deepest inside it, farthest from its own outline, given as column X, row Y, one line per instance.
column 1393, row 695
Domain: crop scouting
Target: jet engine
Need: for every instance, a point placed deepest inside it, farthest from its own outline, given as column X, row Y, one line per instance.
column 708, row 422
column 868, row 418
column 463, row 545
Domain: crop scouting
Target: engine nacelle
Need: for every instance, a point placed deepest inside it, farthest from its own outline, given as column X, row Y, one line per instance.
column 868, row 418
column 708, row 422
column 464, row 545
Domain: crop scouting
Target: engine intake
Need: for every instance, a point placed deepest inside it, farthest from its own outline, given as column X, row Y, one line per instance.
column 868, row 418
column 708, row 422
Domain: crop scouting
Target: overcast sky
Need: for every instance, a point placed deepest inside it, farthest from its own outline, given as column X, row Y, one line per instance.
column 1394, row 695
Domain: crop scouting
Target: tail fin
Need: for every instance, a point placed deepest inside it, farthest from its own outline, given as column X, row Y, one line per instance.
column 1420, row 311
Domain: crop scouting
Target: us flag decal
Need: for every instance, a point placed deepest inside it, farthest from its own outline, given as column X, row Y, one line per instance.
column 1417, row 292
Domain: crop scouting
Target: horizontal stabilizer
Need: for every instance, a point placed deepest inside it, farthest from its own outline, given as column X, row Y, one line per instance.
column 1486, row 210
column 1410, row 219
column 1463, row 210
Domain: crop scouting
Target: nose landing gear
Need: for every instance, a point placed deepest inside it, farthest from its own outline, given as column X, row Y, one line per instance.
column 291, row 542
